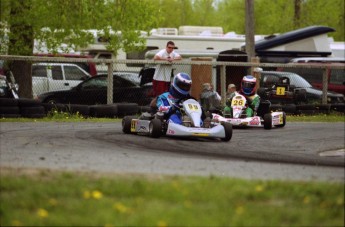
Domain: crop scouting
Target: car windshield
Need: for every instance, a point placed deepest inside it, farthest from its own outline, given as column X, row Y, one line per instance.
column 295, row 79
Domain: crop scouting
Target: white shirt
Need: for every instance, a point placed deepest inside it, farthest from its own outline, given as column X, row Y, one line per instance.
column 163, row 71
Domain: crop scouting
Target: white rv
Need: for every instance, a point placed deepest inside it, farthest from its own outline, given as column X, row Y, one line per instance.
column 193, row 38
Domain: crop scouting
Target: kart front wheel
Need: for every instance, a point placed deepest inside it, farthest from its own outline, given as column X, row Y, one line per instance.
column 155, row 128
column 126, row 124
column 268, row 121
column 228, row 131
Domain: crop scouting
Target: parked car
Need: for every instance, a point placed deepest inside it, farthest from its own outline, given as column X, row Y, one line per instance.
column 335, row 77
column 56, row 76
column 89, row 67
column 313, row 95
column 280, row 91
column 94, row 91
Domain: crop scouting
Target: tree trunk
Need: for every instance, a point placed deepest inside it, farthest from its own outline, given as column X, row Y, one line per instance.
column 21, row 43
column 297, row 14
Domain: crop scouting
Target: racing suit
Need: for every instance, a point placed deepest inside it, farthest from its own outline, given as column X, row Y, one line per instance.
column 253, row 102
column 165, row 104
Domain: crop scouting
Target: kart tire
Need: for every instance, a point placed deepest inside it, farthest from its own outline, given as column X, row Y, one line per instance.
column 155, row 128
column 267, row 121
column 228, row 131
column 284, row 121
column 126, row 124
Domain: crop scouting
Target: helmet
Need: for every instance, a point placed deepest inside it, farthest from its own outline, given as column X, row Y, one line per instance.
column 248, row 85
column 181, row 85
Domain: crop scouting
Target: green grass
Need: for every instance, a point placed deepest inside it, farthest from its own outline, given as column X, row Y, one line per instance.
column 47, row 198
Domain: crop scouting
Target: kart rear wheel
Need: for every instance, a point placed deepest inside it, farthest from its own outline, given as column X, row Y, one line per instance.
column 284, row 121
column 228, row 131
column 126, row 124
column 268, row 121
column 155, row 128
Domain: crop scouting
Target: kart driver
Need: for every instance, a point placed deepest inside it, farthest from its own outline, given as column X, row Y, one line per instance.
column 167, row 102
column 248, row 90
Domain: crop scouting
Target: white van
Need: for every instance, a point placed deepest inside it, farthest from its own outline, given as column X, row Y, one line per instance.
column 56, row 76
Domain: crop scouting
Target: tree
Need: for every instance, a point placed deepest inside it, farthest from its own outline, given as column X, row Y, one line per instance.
column 55, row 22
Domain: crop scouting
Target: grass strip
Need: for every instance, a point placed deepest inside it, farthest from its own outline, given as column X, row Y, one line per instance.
column 48, row 198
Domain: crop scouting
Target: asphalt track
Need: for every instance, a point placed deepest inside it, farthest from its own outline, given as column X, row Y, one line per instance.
column 299, row 151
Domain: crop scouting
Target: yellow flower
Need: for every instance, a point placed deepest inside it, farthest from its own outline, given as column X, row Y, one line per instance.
column 16, row 223
column 162, row 224
column 97, row 194
column 42, row 213
column 340, row 201
column 259, row 188
column 306, row 200
column 119, row 207
column 53, row 202
column 239, row 210
column 86, row 194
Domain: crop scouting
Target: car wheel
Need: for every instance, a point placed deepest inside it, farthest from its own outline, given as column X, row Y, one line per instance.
column 228, row 131
column 126, row 124
column 52, row 101
column 284, row 121
column 268, row 121
column 155, row 128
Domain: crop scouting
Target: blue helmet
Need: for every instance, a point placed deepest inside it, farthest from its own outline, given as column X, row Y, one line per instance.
column 181, row 85
column 248, row 85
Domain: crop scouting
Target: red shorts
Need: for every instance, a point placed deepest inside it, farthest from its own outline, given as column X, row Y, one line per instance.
column 159, row 87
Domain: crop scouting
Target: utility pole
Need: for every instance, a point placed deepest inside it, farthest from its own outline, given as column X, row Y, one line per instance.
column 250, row 30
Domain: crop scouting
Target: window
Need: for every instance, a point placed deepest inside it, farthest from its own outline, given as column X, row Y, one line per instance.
column 95, row 83
column 56, row 72
column 337, row 76
column 39, row 71
column 73, row 73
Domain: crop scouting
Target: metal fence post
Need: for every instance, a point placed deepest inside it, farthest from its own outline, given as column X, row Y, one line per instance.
column 110, row 83
column 223, row 83
column 326, row 71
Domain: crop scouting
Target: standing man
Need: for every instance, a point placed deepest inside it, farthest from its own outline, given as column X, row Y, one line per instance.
column 163, row 72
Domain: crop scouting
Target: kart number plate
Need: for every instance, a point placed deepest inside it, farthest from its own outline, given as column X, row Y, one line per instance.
column 134, row 125
column 280, row 91
column 238, row 102
column 193, row 107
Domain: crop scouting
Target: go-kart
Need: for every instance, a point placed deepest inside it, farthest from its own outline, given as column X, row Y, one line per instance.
column 156, row 125
column 264, row 118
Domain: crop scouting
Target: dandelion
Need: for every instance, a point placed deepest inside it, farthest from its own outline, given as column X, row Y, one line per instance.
column 42, row 213
column 340, row 201
column 162, row 224
column 187, row 204
column 53, row 202
column 97, row 194
column 306, row 200
column 259, row 188
column 16, row 223
column 239, row 210
column 86, row 194
column 119, row 207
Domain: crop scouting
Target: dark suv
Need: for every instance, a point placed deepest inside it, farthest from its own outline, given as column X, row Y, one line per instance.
column 287, row 87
